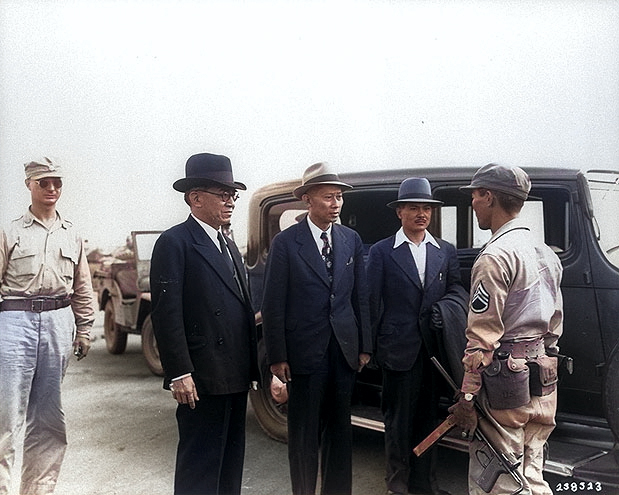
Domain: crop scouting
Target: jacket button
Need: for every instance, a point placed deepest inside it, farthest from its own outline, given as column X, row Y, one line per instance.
column 332, row 296
column 220, row 341
column 218, row 312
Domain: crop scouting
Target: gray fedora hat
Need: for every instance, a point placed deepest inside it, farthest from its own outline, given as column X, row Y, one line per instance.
column 204, row 169
column 316, row 175
column 415, row 190
column 506, row 179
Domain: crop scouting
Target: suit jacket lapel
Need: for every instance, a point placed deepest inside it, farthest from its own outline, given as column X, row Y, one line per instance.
column 434, row 261
column 240, row 270
column 342, row 252
column 404, row 259
column 207, row 249
column 308, row 251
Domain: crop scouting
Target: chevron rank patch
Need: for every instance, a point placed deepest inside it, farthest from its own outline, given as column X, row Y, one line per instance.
column 481, row 299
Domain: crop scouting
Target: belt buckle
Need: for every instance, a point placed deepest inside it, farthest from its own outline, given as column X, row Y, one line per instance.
column 36, row 305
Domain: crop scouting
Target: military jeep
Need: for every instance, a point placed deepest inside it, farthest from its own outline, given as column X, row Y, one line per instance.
column 123, row 292
column 574, row 212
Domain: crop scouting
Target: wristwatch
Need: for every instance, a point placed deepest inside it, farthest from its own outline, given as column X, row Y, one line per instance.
column 468, row 397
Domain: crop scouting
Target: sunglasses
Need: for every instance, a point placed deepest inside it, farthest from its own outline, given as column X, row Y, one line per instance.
column 46, row 183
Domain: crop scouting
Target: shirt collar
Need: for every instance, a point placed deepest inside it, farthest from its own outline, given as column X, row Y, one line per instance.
column 400, row 238
column 514, row 223
column 316, row 231
column 210, row 231
column 29, row 219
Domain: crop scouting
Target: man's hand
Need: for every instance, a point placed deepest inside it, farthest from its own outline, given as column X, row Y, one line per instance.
column 184, row 391
column 81, row 346
column 464, row 414
column 282, row 371
column 364, row 359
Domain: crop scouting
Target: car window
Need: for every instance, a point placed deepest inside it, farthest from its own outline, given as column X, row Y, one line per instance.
column 547, row 215
column 604, row 188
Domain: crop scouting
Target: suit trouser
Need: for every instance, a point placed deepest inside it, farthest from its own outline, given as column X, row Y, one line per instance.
column 523, row 431
column 409, row 405
column 34, row 353
column 319, row 420
column 211, row 445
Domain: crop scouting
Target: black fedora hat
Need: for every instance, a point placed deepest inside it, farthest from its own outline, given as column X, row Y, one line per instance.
column 415, row 190
column 205, row 168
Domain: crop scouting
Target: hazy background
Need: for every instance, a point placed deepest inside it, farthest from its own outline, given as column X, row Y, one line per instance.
column 122, row 92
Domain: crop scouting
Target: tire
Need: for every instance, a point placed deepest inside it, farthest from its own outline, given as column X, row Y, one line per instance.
column 115, row 338
column 611, row 394
column 271, row 416
column 149, row 348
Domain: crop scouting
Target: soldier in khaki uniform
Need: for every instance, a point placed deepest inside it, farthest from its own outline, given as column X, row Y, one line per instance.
column 515, row 320
column 46, row 310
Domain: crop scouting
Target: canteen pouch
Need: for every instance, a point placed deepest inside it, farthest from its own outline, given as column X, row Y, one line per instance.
column 543, row 375
column 506, row 382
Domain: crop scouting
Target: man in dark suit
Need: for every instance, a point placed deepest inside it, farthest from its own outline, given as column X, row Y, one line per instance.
column 205, row 329
column 316, row 331
column 407, row 273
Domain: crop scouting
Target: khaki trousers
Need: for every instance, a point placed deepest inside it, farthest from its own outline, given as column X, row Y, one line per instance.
column 523, row 431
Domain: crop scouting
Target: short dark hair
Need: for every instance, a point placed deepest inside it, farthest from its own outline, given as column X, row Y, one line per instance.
column 509, row 203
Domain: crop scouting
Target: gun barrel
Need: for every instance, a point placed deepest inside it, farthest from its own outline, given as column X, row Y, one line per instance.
column 504, row 463
column 445, row 375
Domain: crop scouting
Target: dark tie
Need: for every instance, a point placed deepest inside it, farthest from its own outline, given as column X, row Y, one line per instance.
column 224, row 252
column 327, row 255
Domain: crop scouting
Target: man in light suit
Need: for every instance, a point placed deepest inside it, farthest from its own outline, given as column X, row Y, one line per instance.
column 205, row 329
column 316, row 331
column 407, row 273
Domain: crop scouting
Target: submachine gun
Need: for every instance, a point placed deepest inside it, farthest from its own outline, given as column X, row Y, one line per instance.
column 493, row 461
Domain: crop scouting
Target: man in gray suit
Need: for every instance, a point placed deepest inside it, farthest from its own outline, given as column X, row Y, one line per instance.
column 316, row 331
column 407, row 273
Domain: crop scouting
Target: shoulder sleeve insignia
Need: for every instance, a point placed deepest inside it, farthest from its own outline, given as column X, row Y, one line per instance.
column 481, row 299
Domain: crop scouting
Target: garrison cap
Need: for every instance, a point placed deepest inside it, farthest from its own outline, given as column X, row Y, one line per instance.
column 42, row 167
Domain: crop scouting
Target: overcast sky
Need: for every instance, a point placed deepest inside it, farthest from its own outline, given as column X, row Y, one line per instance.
column 122, row 92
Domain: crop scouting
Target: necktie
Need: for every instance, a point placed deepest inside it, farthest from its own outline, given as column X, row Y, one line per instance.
column 327, row 255
column 224, row 252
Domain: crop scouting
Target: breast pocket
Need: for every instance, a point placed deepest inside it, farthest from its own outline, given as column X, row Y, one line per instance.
column 68, row 262
column 25, row 262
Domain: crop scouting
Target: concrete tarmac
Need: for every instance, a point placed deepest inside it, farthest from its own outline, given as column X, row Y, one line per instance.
column 122, row 436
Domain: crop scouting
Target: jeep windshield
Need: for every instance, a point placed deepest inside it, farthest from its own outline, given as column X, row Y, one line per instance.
column 604, row 188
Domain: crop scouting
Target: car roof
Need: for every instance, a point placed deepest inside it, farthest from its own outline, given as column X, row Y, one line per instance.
column 391, row 177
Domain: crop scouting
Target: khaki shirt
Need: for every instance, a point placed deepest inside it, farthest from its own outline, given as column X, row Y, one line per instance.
column 515, row 296
column 37, row 262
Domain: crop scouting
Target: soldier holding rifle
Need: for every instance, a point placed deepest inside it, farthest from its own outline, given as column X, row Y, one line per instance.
column 515, row 320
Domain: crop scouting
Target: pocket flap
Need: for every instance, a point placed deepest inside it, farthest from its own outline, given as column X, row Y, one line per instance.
column 494, row 368
column 548, row 369
column 516, row 365
column 70, row 253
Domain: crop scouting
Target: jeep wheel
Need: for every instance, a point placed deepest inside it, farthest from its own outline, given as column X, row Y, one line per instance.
column 271, row 416
column 115, row 338
column 611, row 393
column 149, row 348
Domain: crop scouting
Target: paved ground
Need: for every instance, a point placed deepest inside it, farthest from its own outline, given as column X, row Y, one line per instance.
column 122, row 436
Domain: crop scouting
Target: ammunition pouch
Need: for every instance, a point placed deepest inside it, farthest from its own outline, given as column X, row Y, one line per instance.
column 506, row 382
column 543, row 375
